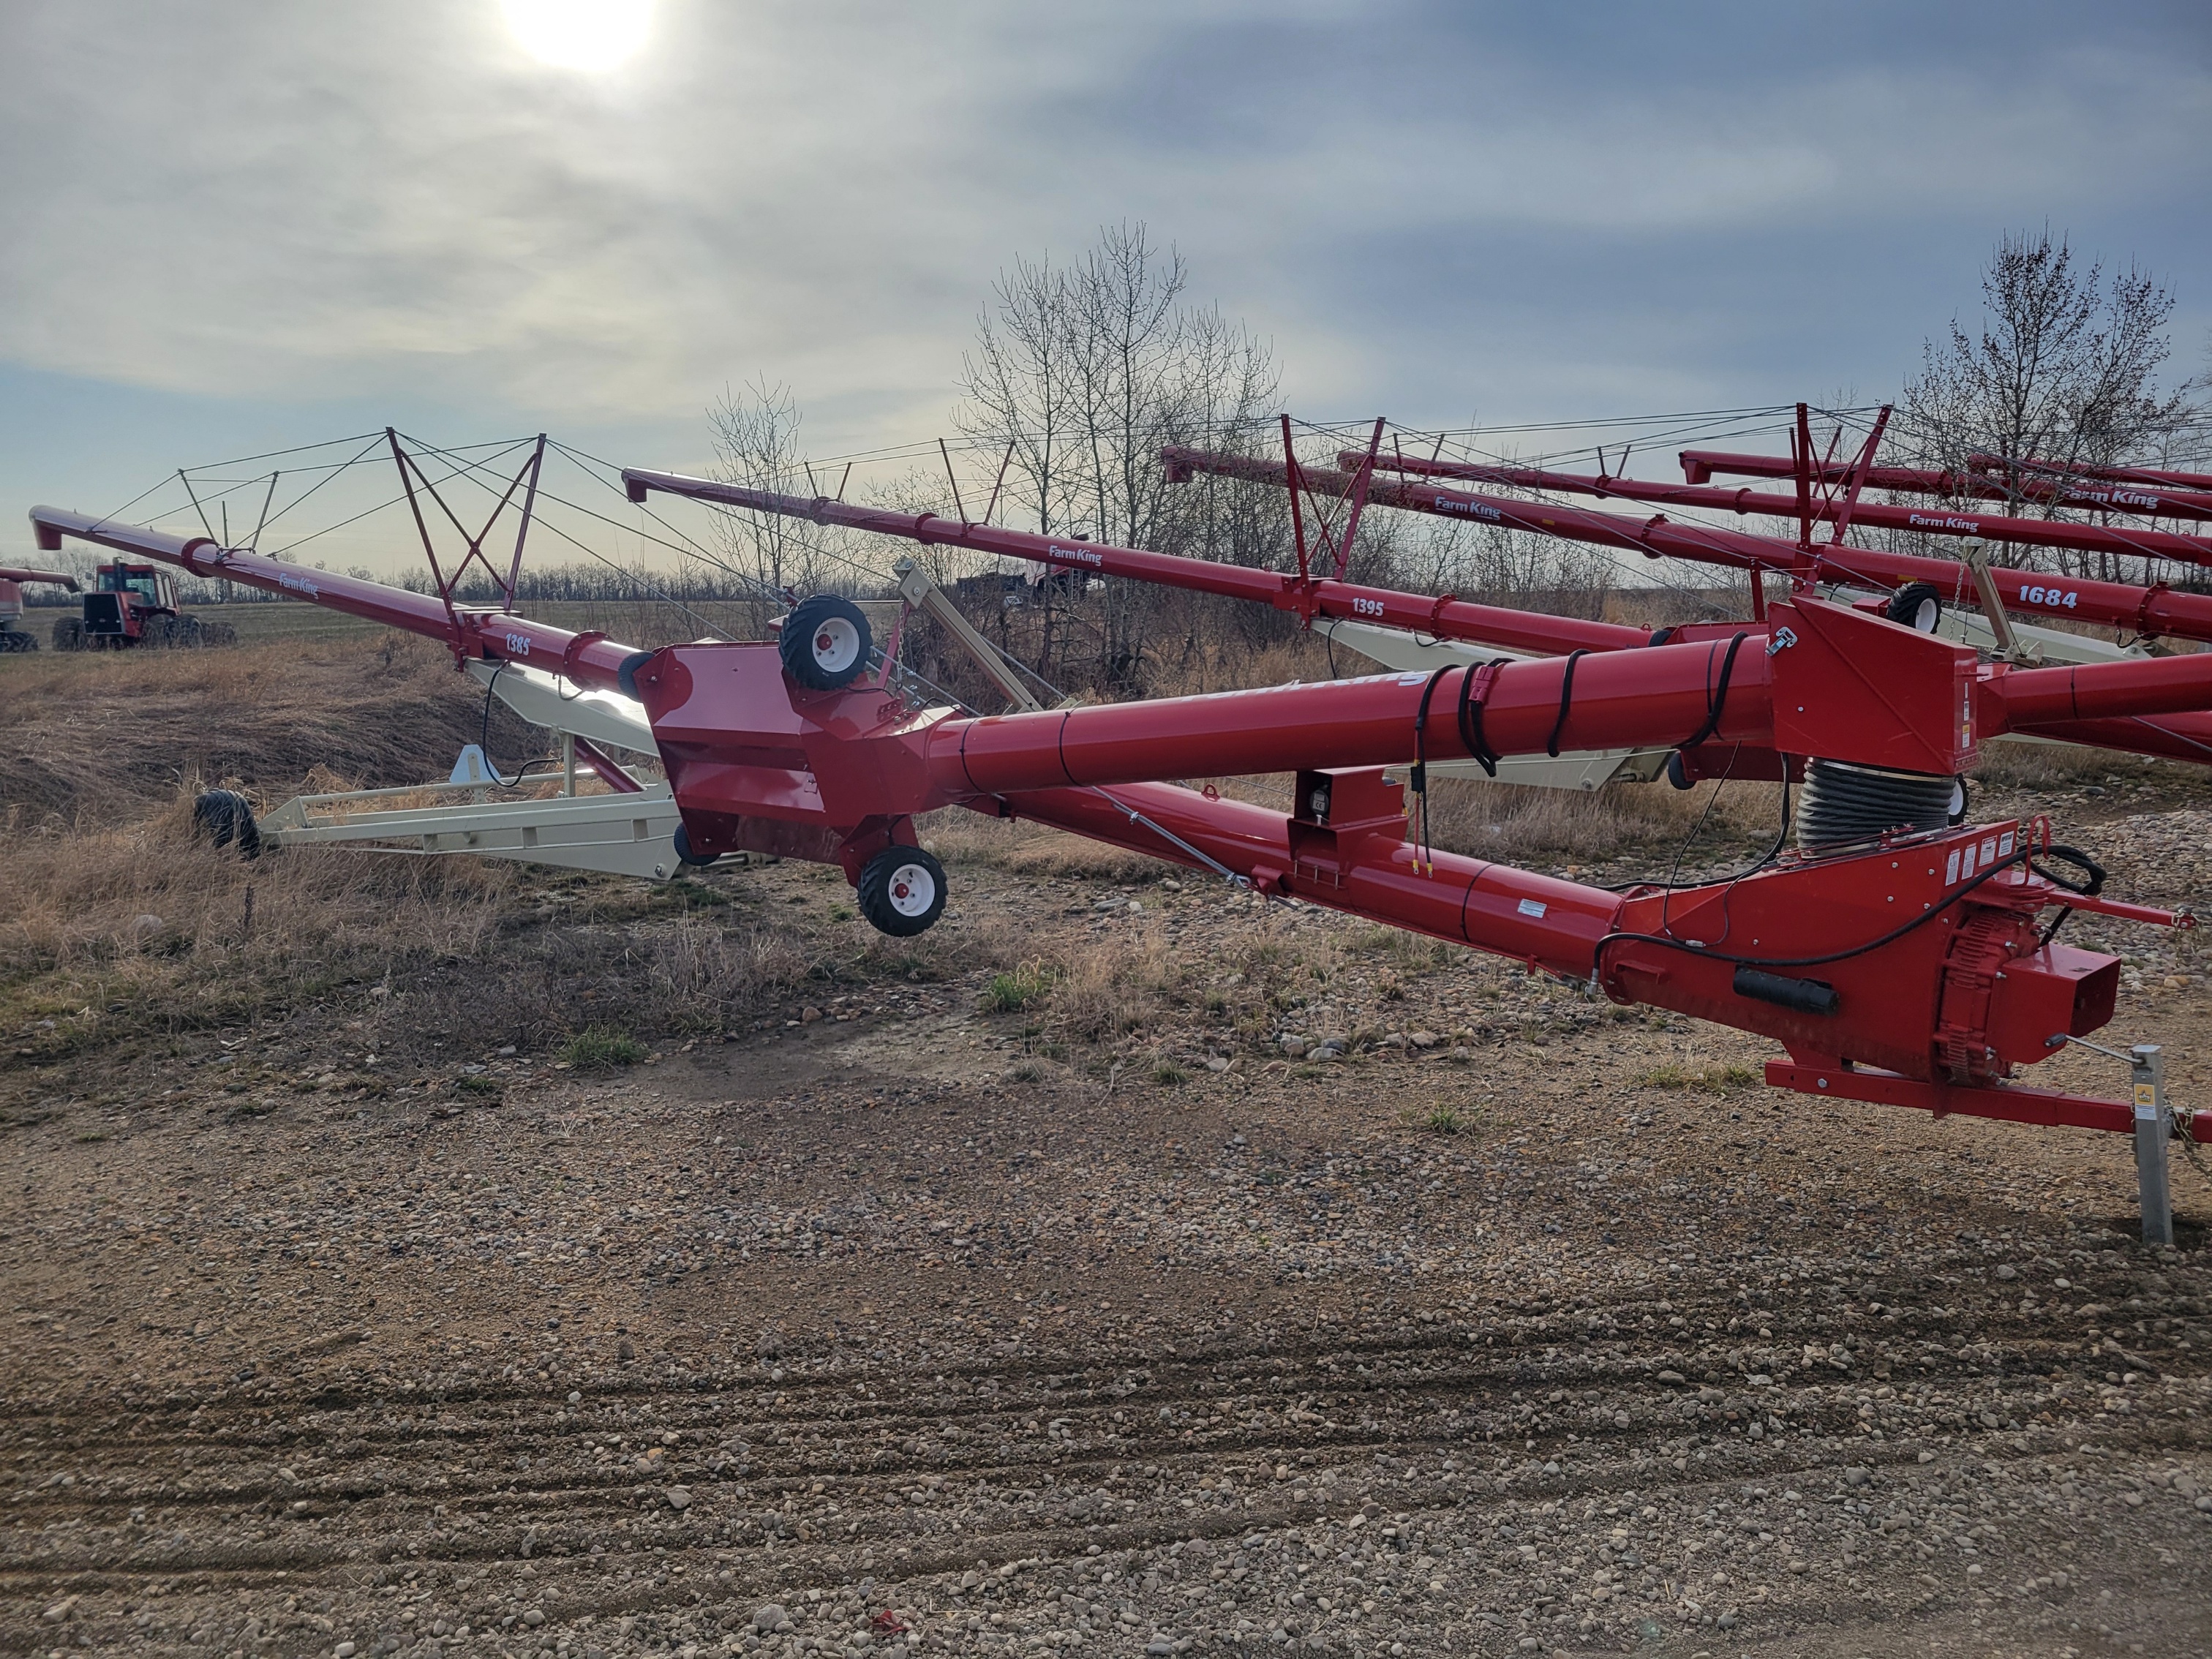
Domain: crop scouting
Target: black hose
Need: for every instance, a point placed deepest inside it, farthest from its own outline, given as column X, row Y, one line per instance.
column 1420, row 776
column 1895, row 933
column 1566, row 695
column 1716, row 700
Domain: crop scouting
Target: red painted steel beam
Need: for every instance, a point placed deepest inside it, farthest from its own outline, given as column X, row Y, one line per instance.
column 2184, row 737
column 1545, row 922
column 1657, row 697
column 2150, row 611
column 2025, row 698
column 1446, row 618
column 1700, row 465
column 2012, row 1105
column 2143, row 475
column 590, row 659
column 1650, row 698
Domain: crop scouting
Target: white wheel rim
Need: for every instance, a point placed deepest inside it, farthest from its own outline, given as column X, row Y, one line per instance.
column 912, row 890
column 1958, row 797
column 836, row 645
column 1924, row 615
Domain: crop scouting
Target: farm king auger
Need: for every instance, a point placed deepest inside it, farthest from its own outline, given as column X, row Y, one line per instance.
column 1890, row 972
column 1918, row 587
column 1899, row 960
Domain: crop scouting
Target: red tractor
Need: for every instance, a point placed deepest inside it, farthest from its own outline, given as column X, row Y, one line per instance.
column 13, row 635
column 135, row 604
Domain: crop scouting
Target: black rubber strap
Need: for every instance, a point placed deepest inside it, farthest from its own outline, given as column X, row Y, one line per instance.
column 1470, row 715
column 1566, row 696
column 1718, row 700
column 1420, row 778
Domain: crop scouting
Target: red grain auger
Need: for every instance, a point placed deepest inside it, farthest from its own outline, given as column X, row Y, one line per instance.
column 1894, row 956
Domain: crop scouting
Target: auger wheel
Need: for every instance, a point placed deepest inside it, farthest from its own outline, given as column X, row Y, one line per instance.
column 902, row 892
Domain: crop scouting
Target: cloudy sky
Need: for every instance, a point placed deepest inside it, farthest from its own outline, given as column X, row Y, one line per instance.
column 234, row 226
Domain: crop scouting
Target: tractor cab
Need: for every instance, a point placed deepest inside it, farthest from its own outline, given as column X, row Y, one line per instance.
column 130, row 605
column 152, row 585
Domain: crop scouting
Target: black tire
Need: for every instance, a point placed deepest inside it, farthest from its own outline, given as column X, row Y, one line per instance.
column 226, row 818
column 1962, row 802
column 902, row 892
column 825, row 642
column 1917, row 606
column 14, row 639
column 1678, row 774
column 217, row 634
column 685, row 855
column 68, row 633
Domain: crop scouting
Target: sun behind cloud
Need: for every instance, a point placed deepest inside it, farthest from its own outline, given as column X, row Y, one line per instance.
column 589, row 36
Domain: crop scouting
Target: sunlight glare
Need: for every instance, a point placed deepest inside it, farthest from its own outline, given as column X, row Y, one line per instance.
column 592, row 36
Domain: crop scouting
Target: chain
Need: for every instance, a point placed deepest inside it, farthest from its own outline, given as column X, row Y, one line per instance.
column 2188, row 1150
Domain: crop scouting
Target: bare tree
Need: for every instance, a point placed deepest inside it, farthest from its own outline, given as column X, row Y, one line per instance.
column 756, row 445
column 1018, row 385
column 1080, row 373
column 2064, row 370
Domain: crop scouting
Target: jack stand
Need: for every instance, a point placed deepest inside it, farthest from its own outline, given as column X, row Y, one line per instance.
column 2154, row 1126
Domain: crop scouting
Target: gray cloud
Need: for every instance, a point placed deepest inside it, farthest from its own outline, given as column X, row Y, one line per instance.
column 1428, row 210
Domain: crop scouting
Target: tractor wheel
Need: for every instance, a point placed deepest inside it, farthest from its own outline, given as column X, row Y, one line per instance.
column 824, row 643
column 68, row 633
column 902, row 892
column 214, row 634
column 226, row 818
column 14, row 639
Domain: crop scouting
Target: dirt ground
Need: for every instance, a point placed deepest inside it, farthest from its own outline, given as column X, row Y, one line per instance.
column 1033, row 1294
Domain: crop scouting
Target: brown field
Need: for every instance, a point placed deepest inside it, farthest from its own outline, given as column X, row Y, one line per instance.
column 439, row 1258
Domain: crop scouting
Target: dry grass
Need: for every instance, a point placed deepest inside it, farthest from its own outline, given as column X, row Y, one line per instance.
column 110, row 736
column 1114, row 985
column 142, row 930
column 959, row 836
column 1516, row 824
column 2052, row 766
